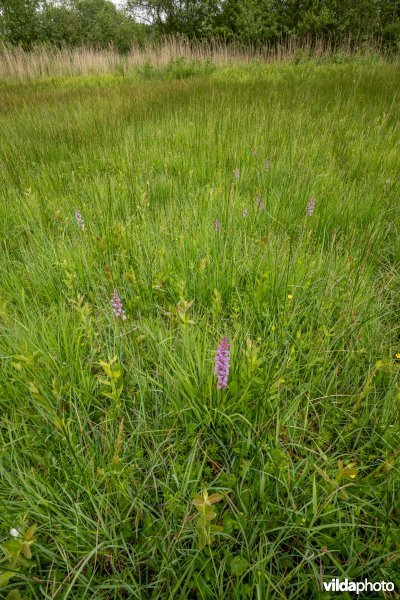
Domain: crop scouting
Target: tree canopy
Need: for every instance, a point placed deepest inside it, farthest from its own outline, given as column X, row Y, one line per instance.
column 101, row 23
column 71, row 22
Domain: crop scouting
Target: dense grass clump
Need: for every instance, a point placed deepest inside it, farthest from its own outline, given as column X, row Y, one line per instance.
column 189, row 198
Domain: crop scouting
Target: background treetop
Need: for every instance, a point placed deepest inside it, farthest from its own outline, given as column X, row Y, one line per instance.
column 101, row 23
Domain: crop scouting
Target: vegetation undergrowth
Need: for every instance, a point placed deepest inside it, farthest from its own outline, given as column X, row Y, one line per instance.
column 124, row 471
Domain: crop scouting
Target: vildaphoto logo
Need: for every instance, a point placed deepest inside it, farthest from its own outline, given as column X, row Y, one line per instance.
column 335, row 585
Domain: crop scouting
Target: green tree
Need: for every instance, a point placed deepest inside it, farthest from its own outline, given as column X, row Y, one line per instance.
column 338, row 19
column 60, row 25
column 101, row 24
column 73, row 22
column 20, row 22
column 194, row 18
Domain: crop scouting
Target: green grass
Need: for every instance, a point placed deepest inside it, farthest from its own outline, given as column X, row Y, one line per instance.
column 304, row 443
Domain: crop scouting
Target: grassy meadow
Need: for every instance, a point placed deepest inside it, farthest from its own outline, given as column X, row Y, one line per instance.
column 193, row 184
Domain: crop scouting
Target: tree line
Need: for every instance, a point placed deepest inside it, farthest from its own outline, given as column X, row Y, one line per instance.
column 101, row 23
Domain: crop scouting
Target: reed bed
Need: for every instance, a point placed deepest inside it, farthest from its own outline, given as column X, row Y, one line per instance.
column 46, row 61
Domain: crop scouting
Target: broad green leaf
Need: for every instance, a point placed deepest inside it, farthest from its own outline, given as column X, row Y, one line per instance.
column 239, row 565
column 105, row 382
column 209, row 515
column 30, row 532
column 107, row 395
column 14, row 595
column 26, row 551
column 5, row 577
column 215, row 498
column 198, row 502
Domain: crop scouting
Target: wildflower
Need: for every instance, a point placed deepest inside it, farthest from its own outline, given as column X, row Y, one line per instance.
column 310, row 206
column 290, row 297
column 260, row 203
column 236, row 173
column 388, row 181
column 266, row 165
column 14, row 532
column 117, row 305
column 222, row 364
column 79, row 220
column 217, row 225
column 245, row 213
